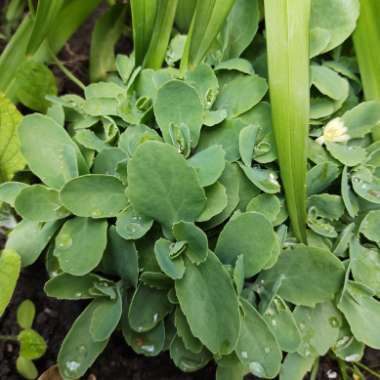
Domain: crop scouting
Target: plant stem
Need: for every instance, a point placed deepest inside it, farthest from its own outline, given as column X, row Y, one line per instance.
column 314, row 372
column 8, row 337
column 68, row 73
column 369, row 370
column 343, row 369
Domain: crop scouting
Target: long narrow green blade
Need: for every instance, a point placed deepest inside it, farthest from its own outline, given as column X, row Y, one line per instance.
column 287, row 31
column 209, row 16
column 143, row 16
column 161, row 33
column 367, row 47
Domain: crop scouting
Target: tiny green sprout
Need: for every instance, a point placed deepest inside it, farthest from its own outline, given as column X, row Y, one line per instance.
column 32, row 345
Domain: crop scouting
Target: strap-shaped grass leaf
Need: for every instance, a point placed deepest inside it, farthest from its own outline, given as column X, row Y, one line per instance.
column 143, row 16
column 250, row 234
column 79, row 351
column 94, row 195
column 208, row 18
column 177, row 194
column 184, row 14
column 80, row 244
column 49, row 151
column 257, row 347
column 10, row 265
column 206, row 293
column 148, row 308
column 39, row 204
column 367, row 42
column 287, row 28
column 29, row 239
column 159, row 41
column 106, row 33
column 178, row 103
column 11, row 159
column 301, row 269
column 45, row 18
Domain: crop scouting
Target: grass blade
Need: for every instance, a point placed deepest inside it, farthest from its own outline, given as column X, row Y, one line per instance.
column 105, row 35
column 47, row 11
column 287, row 30
column 143, row 16
column 209, row 16
column 184, row 14
column 367, row 46
column 161, row 33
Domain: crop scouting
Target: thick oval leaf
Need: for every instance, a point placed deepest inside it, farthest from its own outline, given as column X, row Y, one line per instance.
column 80, row 244
column 94, row 195
column 26, row 368
column 49, row 151
column 257, row 347
column 25, row 314
column 295, row 367
column 79, row 351
column 216, row 202
column 131, row 225
column 10, row 265
column 266, row 204
column 32, row 344
column 178, row 103
column 177, row 194
column 206, row 293
column 39, row 204
column 301, row 269
column 148, row 308
column 264, row 179
column 10, row 190
column 370, row 226
column 209, row 164
column 249, row 234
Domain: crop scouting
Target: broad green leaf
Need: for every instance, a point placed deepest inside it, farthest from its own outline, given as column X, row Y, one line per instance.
column 125, row 65
column 95, row 195
column 236, row 64
column 183, row 330
column 328, row 206
column 301, row 269
column 366, row 185
column 43, row 22
column 107, row 31
column 362, row 312
column 148, row 308
column 209, row 16
column 321, row 176
column 257, row 347
column 186, row 360
column 206, row 293
column 178, row 103
column 149, row 343
column 172, row 267
column 175, row 49
column 131, row 225
column 331, row 21
column 38, row 203
column 10, row 190
column 266, row 204
column 34, row 82
column 26, row 368
column 209, row 164
column 287, row 30
column 80, row 244
column 264, row 179
column 32, row 344
column 105, row 317
column 11, row 159
column 250, row 234
column 295, row 367
column 196, row 239
column 349, row 199
column 216, row 202
column 79, row 351
column 319, row 327
column 121, row 258
column 370, row 226
column 347, row 154
column 365, row 265
column 158, row 166
column 240, row 27
column 29, row 239
column 49, row 151
column 10, row 265
column 241, row 94
column 26, row 312
column 232, row 370
column 106, row 161
column 247, row 141
column 283, row 325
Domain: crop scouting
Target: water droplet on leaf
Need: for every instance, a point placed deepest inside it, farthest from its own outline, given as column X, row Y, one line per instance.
column 256, row 369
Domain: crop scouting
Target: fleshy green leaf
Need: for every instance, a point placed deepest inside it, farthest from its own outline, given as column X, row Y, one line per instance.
column 32, row 344
column 25, row 314
column 172, row 267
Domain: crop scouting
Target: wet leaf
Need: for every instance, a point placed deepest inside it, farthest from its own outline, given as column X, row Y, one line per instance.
column 370, row 226
column 131, row 225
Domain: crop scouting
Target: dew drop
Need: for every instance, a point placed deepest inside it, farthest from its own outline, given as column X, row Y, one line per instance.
column 267, row 350
column 148, row 348
column 82, row 349
column 352, row 358
column 244, row 354
column 331, row 374
column 71, row 368
column 257, row 369
column 155, row 317
column 334, row 322
column 274, row 322
column 302, row 326
column 96, row 213
column 78, row 294
column 64, row 241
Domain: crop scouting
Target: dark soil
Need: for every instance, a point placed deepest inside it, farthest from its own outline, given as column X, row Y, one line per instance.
column 54, row 318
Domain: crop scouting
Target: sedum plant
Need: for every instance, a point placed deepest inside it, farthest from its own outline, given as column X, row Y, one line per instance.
column 156, row 196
